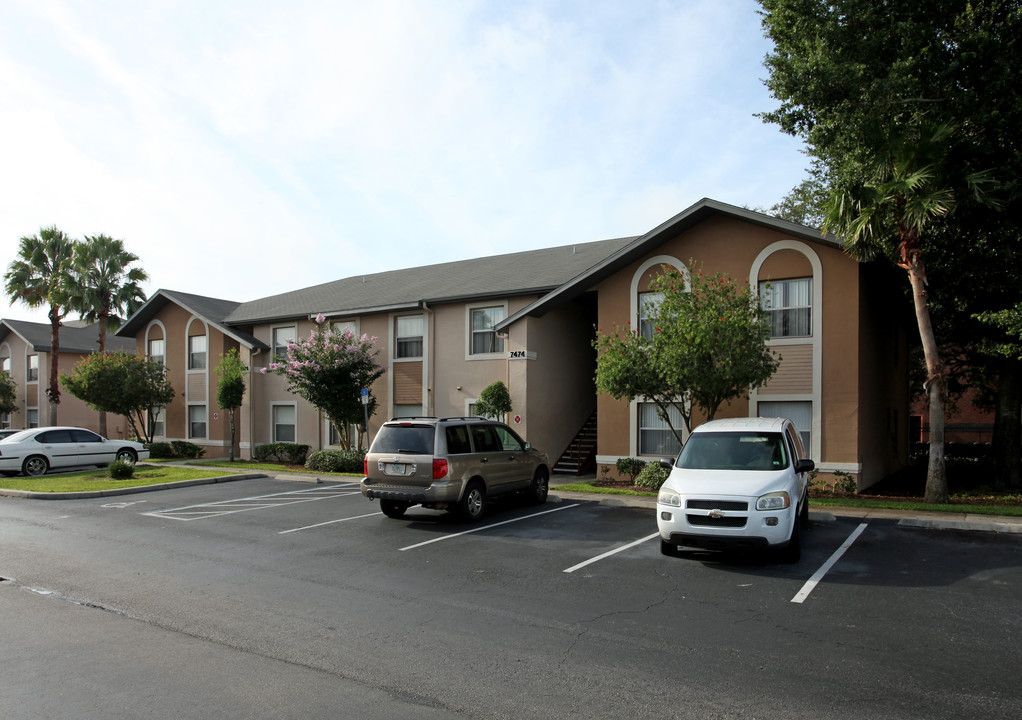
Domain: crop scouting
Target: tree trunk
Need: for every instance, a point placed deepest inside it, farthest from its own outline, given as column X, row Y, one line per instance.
column 102, row 349
column 53, row 390
column 1008, row 427
column 936, row 474
column 232, row 435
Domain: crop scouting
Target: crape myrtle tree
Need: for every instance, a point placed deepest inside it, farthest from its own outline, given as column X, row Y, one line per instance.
column 708, row 346
column 859, row 81
column 134, row 386
column 329, row 369
column 230, row 388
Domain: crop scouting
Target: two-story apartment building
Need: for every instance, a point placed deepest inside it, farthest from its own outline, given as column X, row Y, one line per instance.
column 446, row 331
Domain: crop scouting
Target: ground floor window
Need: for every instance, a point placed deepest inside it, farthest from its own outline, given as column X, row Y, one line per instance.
column 284, row 423
column 655, row 435
column 197, row 421
column 32, row 420
column 5, row 421
column 408, row 411
column 158, row 423
column 800, row 413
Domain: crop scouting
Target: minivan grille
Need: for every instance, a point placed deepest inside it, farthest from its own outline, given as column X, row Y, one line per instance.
column 721, row 522
column 717, row 505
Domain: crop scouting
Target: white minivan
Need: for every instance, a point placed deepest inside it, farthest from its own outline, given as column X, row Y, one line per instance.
column 737, row 484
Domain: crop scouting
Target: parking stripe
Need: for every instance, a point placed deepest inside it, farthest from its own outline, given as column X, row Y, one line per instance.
column 609, row 553
column 328, row 522
column 825, row 568
column 228, row 507
column 487, row 527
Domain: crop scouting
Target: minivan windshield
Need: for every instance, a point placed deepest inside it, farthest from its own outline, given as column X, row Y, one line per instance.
column 734, row 451
column 407, row 439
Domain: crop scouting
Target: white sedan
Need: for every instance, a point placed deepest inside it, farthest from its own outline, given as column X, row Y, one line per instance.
column 35, row 451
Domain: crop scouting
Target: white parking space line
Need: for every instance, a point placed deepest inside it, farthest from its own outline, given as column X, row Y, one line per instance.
column 328, row 522
column 825, row 568
column 609, row 553
column 259, row 502
column 487, row 527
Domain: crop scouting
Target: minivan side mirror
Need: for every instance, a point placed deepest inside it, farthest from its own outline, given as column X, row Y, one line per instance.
column 804, row 466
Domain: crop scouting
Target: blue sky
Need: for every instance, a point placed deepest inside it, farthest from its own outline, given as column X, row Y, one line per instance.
column 243, row 149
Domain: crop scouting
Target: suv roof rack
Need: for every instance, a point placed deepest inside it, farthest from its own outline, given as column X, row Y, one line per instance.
column 412, row 417
column 465, row 417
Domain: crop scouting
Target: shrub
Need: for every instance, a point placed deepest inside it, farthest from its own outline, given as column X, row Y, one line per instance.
column 187, row 450
column 652, row 476
column 339, row 461
column 121, row 470
column 161, row 450
column 286, row 453
column 630, row 467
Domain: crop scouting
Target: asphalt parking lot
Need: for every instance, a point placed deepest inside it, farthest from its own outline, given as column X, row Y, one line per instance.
column 545, row 611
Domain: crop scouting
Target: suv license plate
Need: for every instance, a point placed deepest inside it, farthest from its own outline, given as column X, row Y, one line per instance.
column 394, row 469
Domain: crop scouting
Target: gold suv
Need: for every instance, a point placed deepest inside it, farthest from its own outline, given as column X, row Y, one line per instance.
column 451, row 464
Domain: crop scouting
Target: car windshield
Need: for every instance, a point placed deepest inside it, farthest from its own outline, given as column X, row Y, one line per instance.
column 408, row 439
column 734, row 451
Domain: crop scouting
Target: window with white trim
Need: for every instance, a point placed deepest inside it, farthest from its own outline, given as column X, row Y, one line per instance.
column 799, row 412
column 655, row 435
column 158, row 422
column 158, row 351
column 284, row 423
column 197, row 352
column 789, row 306
column 5, row 365
column 484, row 338
column 281, row 337
column 649, row 306
column 197, row 421
column 32, row 375
column 345, row 326
column 408, row 331
column 32, row 418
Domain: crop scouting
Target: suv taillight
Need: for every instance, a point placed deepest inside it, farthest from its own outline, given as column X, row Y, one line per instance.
column 439, row 468
column 365, row 465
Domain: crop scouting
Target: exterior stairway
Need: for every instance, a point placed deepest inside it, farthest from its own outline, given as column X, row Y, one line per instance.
column 580, row 455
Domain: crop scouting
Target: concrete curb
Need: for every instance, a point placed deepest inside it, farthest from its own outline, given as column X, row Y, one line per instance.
column 128, row 490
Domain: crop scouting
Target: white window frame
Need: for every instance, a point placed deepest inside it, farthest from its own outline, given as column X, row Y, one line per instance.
column 397, row 338
column 274, row 407
column 470, row 332
column 162, row 357
column 192, row 353
column 766, row 295
column 278, row 350
column 671, row 440
column 646, row 300
column 205, row 422
column 342, row 325
column 29, row 369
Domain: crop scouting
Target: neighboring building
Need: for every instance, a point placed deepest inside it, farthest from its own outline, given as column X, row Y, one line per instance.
column 447, row 331
column 25, row 352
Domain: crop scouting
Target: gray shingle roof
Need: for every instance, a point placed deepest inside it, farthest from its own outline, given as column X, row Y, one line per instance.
column 212, row 310
column 73, row 339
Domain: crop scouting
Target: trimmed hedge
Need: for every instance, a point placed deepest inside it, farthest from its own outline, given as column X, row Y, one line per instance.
column 286, row 453
column 652, row 476
column 339, row 461
column 175, row 449
column 121, row 470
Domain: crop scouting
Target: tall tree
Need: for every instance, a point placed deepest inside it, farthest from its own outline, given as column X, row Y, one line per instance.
column 103, row 284
column 230, row 387
column 39, row 278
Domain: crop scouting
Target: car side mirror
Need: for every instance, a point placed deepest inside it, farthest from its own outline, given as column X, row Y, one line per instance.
column 528, row 445
column 804, row 466
column 667, row 463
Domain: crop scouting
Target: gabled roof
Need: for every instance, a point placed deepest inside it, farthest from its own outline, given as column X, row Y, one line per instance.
column 73, row 339
column 520, row 273
column 212, row 310
column 641, row 246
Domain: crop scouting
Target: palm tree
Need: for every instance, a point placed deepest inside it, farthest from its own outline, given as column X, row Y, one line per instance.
column 39, row 277
column 913, row 183
column 103, row 285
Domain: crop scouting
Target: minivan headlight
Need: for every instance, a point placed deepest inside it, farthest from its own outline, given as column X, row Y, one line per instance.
column 669, row 497
column 774, row 501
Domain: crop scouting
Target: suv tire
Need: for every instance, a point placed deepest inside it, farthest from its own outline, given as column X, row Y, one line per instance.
column 540, row 487
column 473, row 502
column 393, row 509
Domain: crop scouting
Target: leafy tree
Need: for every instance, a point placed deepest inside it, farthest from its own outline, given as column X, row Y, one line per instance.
column 708, row 347
column 329, row 369
column 494, row 401
column 102, row 285
column 8, row 393
column 230, row 388
column 131, row 385
column 39, row 277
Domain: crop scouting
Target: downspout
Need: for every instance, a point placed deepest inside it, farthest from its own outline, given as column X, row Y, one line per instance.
column 429, row 409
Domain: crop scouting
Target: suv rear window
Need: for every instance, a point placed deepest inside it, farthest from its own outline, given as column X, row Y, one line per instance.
column 407, row 439
column 734, row 451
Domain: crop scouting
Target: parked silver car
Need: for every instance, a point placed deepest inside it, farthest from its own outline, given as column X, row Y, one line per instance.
column 35, row 451
column 451, row 464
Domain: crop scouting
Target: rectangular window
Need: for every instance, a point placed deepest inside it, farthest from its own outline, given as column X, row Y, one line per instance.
column 197, row 352
column 408, row 411
column 484, row 337
column 789, row 306
column 655, row 435
column 158, row 423
column 408, row 336
column 32, row 419
column 33, row 368
column 284, row 418
column 158, row 351
column 5, row 421
column 281, row 337
column 649, row 306
column 344, row 326
column 800, row 414
column 196, row 421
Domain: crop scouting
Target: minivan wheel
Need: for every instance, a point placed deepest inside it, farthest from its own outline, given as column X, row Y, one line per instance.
column 803, row 516
column 35, row 466
column 473, row 502
column 540, row 487
column 793, row 552
column 393, row 509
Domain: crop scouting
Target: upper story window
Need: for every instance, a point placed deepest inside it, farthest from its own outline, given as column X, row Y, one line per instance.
column 408, row 331
column 343, row 326
column 196, row 352
column 158, row 351
column 5, row 365
column 33, row 368
column 789, row 305
column 649, row 305
column 281, row 337
column 484, row 337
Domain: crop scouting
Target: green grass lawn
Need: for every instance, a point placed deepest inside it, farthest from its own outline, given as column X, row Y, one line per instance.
column 94, row 480
column 267, row 466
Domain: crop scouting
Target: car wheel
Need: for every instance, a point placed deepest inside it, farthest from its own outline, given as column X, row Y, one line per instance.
column 393, row 509
column 127, row 455
column 35, row 466
column 540, row 487
column 473, row 502
column 668, row 549
column 793, row 552
column 803, row 516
